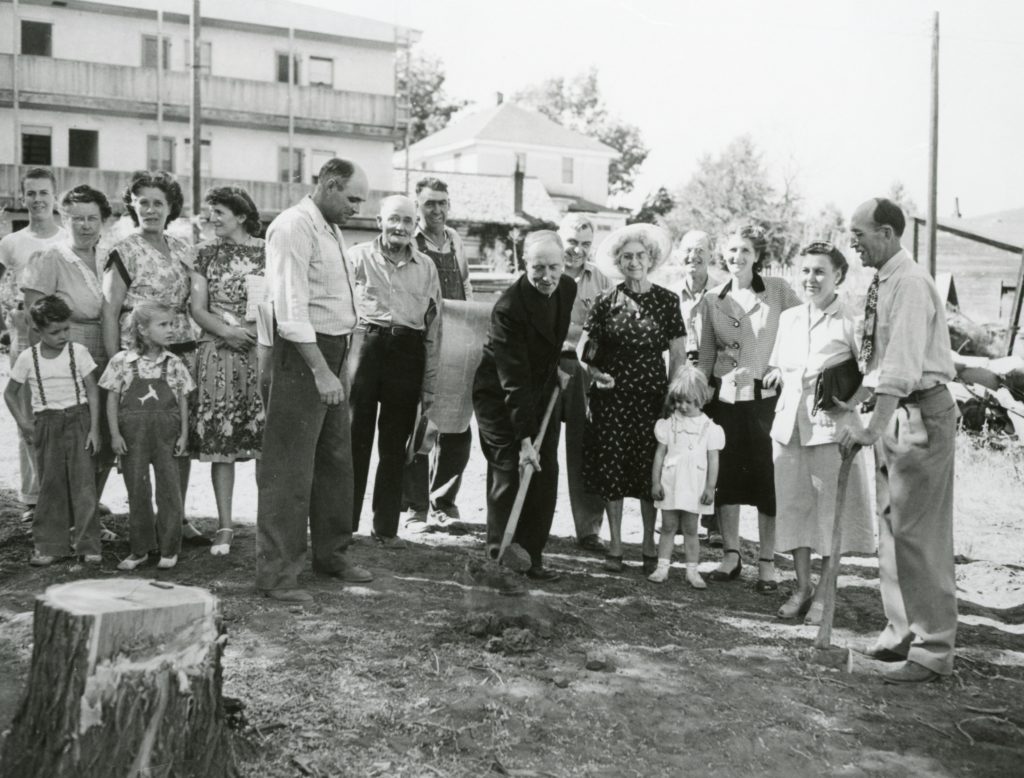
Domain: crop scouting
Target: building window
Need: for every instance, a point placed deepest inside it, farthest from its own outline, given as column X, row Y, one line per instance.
column 290, row 173
column 521, row 161
column 204, row 159
column 37, row 38
column 457, row 163
column 83, row 148
column 160, row 153
column 149, row 52
column 205, row 56
column 282, row 68
column 567, row 170
column 321, row 71
column 318, row 159
column 36, row 146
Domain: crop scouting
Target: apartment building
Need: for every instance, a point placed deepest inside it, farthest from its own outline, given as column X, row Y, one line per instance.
column 98, row 89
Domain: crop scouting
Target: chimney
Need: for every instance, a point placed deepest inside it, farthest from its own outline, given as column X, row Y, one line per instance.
column 517, row 188
column 499, row 98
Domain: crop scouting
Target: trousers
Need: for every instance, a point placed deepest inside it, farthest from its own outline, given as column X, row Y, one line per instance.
column 539, row 507
column 385, row 392
column 67, row 480
column 433, row 480
column 587, row 507
column 305, row 471
column 915, row 544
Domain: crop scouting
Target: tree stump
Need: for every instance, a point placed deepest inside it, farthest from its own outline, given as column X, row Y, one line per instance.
column 125, row 681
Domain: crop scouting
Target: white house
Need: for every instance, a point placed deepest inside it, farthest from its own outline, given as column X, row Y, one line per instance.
column 504, row 138
column 97, row 89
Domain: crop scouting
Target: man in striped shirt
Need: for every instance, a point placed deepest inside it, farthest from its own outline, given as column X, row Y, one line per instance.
column 306, row 467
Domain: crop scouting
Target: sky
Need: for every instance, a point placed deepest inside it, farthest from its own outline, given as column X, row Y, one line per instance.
column 835, row 93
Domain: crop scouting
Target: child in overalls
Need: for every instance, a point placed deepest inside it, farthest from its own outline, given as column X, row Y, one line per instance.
column 65, row 429
column 148, row 415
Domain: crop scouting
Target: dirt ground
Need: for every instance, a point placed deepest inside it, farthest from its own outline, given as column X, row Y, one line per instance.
column 425, row 673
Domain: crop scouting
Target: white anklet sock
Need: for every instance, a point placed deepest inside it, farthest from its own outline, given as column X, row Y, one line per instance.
column 660, row 574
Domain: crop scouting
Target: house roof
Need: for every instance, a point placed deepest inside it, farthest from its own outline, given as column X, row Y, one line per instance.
column 280, row 14
column 486, row 198
column 510, row 123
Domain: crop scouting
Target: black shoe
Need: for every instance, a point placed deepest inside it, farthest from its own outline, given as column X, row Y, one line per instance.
column 732, row 575
column 543, row 574
column 592, row 543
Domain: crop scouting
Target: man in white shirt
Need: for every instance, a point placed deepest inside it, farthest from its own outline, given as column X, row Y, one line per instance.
column 39, row 194
column 577, row 234
column 306, row 468
column 695, row 249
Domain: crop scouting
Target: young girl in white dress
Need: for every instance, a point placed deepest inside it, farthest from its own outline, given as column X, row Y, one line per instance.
column 685, row 470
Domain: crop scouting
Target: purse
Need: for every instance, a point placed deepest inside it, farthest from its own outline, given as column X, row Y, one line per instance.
column 840, row 381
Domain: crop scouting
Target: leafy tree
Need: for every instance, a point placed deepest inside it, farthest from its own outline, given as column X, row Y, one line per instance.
column 828, row 224
column 735, row 186
column 899, row 195
column 421, row 80
column 577, row 103
column 654, row 208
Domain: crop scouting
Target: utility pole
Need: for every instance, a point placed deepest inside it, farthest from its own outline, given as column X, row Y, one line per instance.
column 933, row 162
column 16, row 49
column 197, row 118
column 159, row 85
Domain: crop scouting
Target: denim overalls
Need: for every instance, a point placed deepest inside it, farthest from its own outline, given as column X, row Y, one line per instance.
column 150, row 424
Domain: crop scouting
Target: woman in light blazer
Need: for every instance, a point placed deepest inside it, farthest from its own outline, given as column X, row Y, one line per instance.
column 819, row 334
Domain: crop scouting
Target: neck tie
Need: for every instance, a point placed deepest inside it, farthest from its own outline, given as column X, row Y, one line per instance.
column 867, row 346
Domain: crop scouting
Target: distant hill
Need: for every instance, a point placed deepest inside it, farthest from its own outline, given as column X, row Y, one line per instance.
column 1003, row 225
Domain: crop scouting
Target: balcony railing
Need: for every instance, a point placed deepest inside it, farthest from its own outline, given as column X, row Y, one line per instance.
column 270, row 197
column 63, row 83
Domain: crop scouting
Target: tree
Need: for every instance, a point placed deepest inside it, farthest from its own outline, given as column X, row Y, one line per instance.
column 577, row 103
column 735, row 186
column 899, row 195
column 421, row 80
column 828, row 224
column 654, row 208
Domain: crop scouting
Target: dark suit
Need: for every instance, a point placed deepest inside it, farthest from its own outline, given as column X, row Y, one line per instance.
column 511, row 391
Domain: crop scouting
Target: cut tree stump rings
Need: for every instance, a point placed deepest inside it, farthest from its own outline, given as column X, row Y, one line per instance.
column 125, row 681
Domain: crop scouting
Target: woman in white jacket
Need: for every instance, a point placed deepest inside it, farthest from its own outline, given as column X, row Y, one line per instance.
column 820, row 334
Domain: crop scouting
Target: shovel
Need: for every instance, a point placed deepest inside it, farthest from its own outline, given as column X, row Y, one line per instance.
column 526, row 474
column 824, row 638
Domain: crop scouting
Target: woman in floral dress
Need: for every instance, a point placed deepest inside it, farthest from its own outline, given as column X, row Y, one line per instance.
column 151, row 265
column 633, row 325
column 227, row 425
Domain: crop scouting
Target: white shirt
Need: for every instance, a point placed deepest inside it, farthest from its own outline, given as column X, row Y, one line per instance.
column 58, row 386
column 16, row 250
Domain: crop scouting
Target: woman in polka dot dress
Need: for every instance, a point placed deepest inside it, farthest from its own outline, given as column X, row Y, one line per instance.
column 627, row 333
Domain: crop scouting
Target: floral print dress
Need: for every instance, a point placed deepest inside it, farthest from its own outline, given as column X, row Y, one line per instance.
column 227, row 423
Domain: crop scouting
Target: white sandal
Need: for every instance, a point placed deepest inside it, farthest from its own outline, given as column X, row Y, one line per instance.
column 220, row 548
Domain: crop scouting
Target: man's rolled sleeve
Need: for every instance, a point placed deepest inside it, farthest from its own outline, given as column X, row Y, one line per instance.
column 289, row 248
column 902, row 364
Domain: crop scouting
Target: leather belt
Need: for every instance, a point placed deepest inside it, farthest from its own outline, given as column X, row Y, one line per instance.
column 394, row 329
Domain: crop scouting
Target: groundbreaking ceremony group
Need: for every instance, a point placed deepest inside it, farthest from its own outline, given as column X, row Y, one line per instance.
column 300, row 352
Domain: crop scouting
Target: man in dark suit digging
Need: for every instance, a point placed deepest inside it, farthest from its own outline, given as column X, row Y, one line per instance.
column 512, row 390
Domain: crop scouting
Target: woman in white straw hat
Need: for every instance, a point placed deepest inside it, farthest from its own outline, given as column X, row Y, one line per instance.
column 628, row 331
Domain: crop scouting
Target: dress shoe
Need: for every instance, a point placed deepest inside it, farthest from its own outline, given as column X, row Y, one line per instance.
column 592, row 543
column 41, row 560
column 909, row 672
column 613, row 564
column 543, row 574
column 730, row 575
column 882, row 654
column 296, row 596
column 649, row 563
column 349, row 572
column 393, row 543
column 416, row 523
column 191, row 536
column 797, row 605
column 516, row 558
